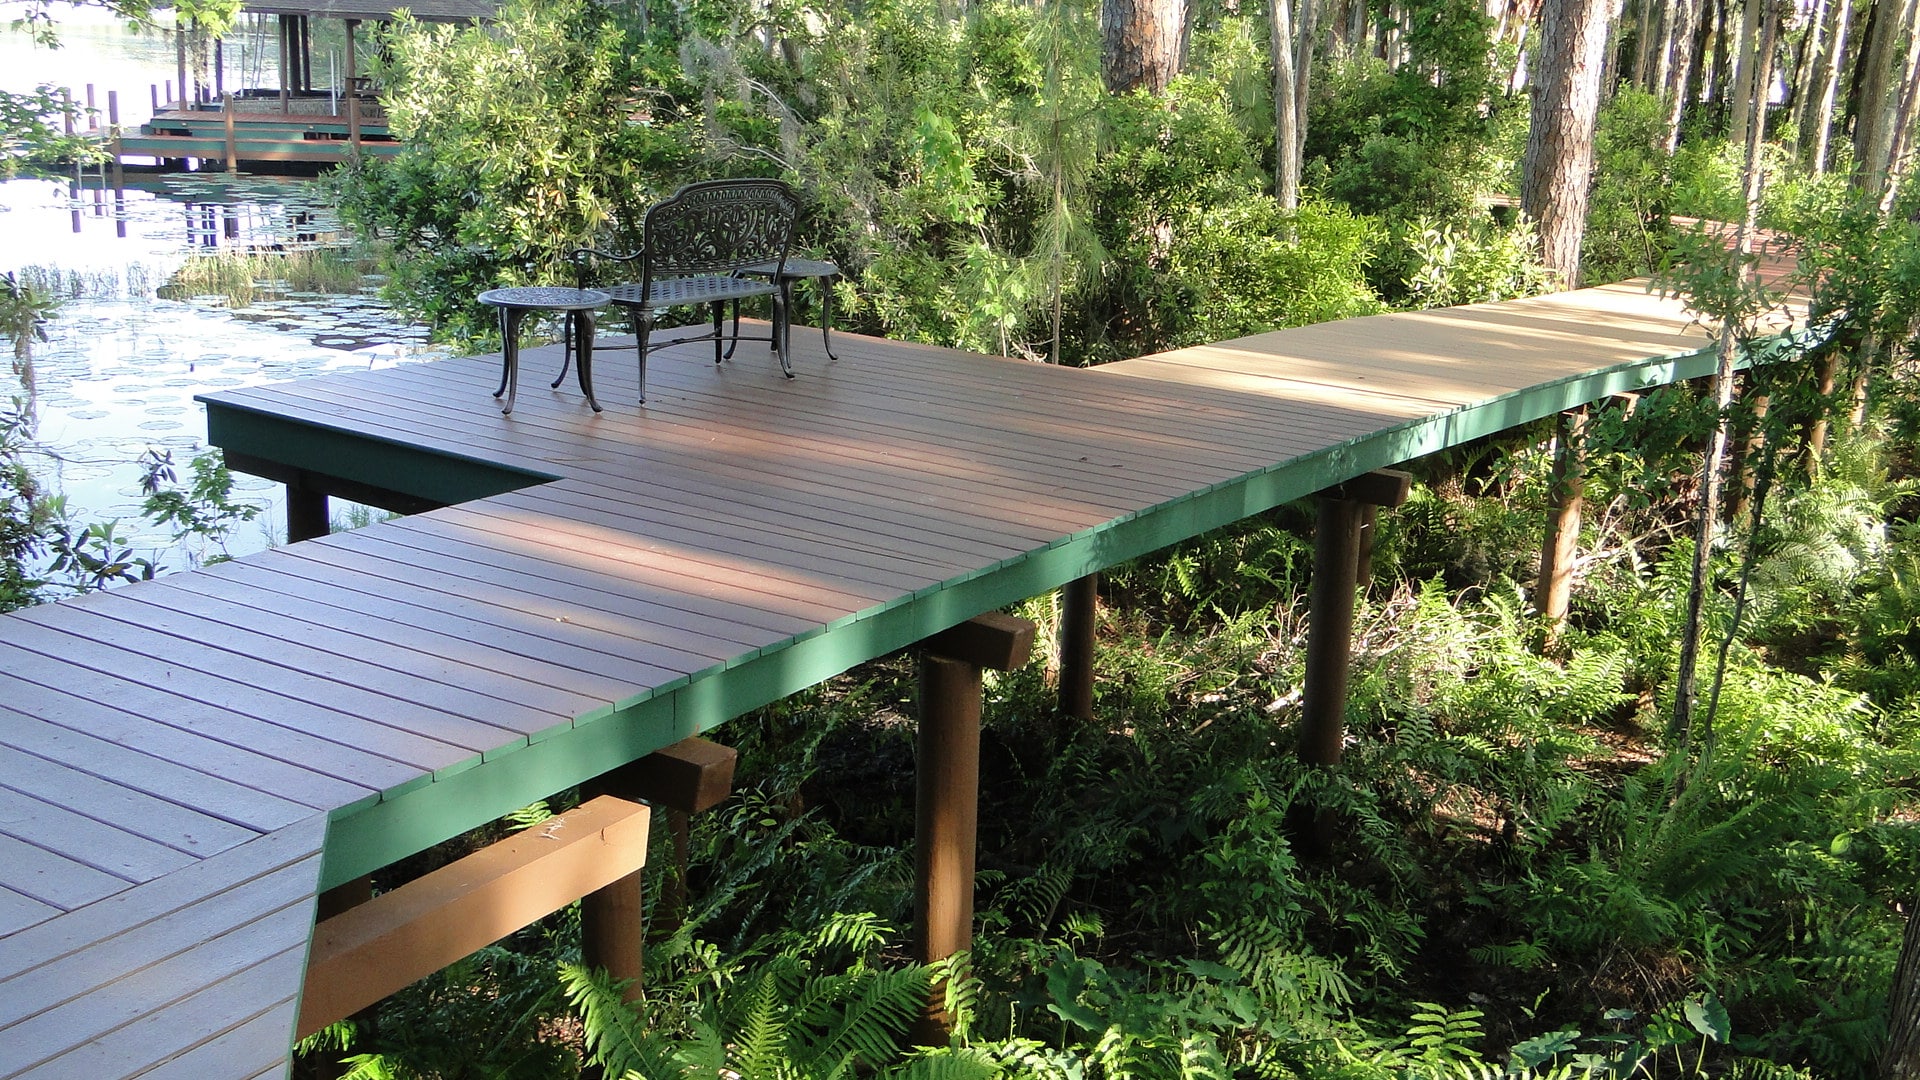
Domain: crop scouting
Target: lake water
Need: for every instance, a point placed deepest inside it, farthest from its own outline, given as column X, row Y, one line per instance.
column 121, row 366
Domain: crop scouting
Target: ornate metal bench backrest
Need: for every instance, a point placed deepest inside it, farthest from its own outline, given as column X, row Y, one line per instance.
column 719, row 226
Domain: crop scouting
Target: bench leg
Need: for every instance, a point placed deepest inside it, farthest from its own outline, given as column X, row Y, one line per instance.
column 780, row 332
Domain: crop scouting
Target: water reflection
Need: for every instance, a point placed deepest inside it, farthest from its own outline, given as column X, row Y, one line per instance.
column 121, row 364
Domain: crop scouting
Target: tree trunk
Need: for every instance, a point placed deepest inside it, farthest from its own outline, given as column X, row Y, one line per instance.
column 1557, row 171
column 1834, row 65
column 1880, row 98
column 1723, row 383
column 1900, row 139
column 1740, row 70
column 1677, row 68
column 1302, row 76
column 1901, row 1059
column 1643, row 46
column 1140, row 43
column 1808, row 75
column 1286, row 146
column 1713, row 59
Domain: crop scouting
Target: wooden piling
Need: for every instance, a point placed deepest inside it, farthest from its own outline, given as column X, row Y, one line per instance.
column 307, row 516
column 1553, row 590
column 682, row 779
column 233, row 156
column 353, row 93
column 1336, row 564
column 1079, row 611
column 1336, row 579
column 119, row 164
column 947, row 802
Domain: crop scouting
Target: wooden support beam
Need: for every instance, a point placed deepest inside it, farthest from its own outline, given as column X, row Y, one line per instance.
column 690, row 776
column 994, row 640
column 1381, row 487
column 1369, row 530
column 307, row 516
column 353, row 92
column 1554, row 590
column 233, row 155
column 392, row 501
column 947, row 801
column 374, row 949
column 1079, row 613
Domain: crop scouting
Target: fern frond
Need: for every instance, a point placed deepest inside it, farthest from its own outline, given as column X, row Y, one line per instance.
column 869, row 1024
column 617, row 1039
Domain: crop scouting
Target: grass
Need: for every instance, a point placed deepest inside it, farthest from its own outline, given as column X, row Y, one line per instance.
column 244, row 276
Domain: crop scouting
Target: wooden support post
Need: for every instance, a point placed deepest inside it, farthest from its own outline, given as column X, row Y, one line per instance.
column 947, row 803
column 1816, row 437
column 613, row 933
column 285, row 60
column 181, row 28
column 353, row 93
column 233, row 156
column 690, row 776
column 119, row 168
column 1363, row 547
column 1554, row 588
column 1079, row 611
column 1336, row 537
column 1336, row 577
column 307, row 516
column 375, row 948
column 339, row 900
column 1749, row 443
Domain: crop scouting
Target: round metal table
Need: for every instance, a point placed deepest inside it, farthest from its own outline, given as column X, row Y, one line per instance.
column 515, row 303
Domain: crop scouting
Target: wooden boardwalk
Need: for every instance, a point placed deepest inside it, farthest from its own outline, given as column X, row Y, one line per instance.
column 186, row 763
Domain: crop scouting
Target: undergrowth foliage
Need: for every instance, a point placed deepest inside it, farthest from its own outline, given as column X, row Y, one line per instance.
column 1525, row 885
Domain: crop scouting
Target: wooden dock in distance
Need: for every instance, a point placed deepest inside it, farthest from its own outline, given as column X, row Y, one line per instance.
column 186, row 763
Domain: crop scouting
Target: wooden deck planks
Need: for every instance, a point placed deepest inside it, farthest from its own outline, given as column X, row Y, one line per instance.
column 307, row 753
column 194, row 974
column 109, row 848
column 19, row 911
column 179, row 763
column 175, row 825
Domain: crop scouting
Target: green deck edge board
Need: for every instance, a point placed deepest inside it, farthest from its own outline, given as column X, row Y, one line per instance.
column 404, row 821
column 408, row 469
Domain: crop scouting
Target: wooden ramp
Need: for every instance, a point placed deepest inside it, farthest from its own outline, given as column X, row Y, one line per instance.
column 185, row 763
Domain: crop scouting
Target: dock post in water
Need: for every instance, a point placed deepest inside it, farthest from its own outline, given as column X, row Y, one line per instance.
column 353, row 93
column 119, row 166
column 233, row 156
